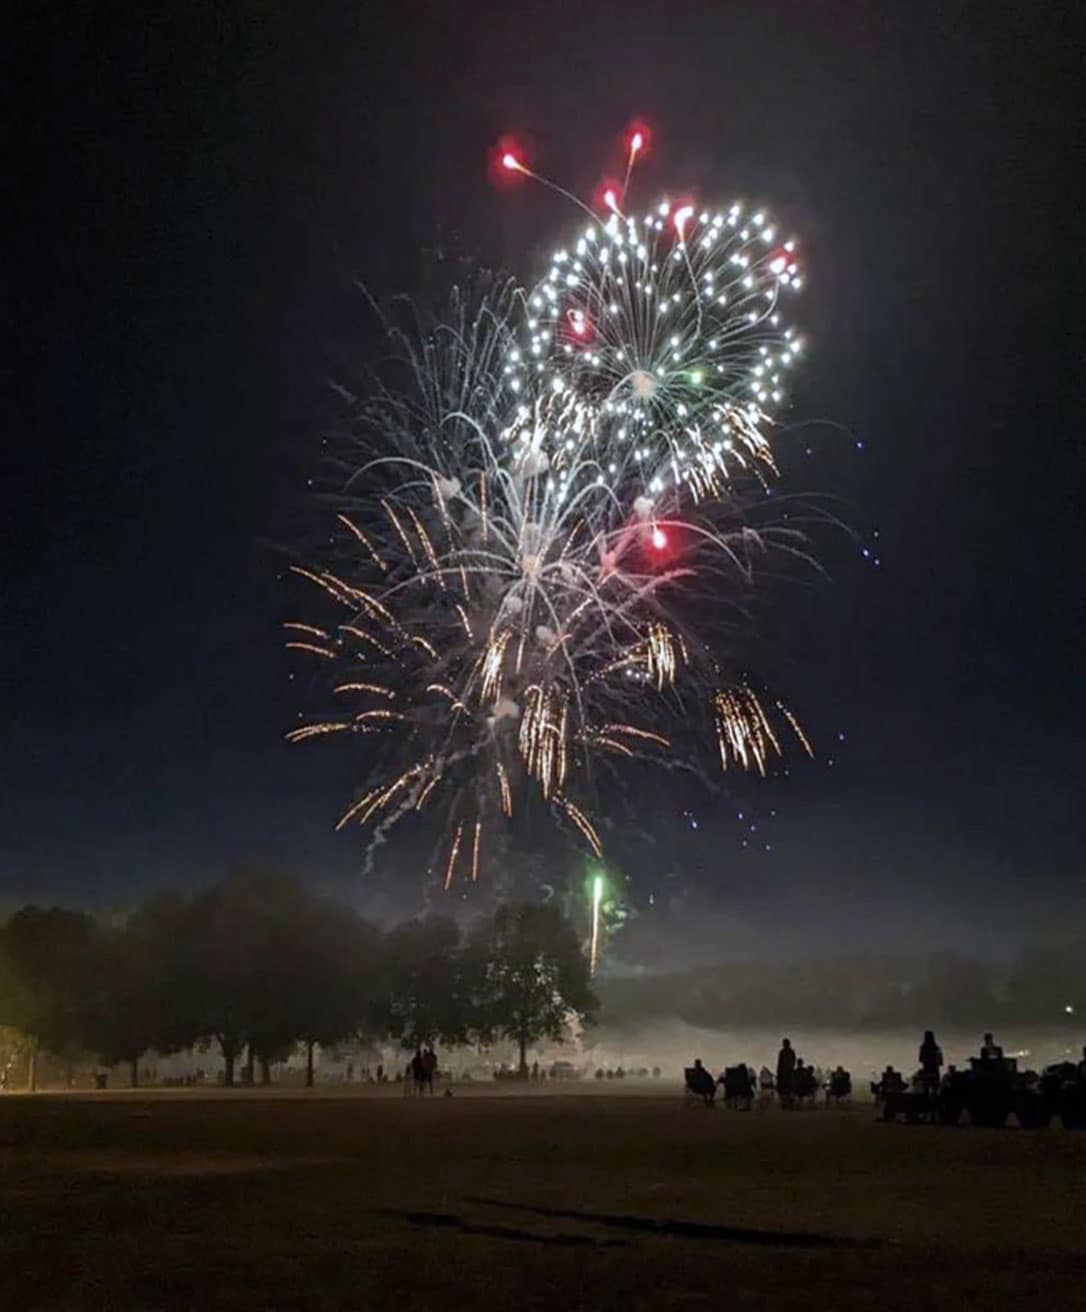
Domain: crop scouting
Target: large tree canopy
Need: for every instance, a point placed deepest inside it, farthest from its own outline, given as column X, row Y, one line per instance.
column 427, row 990
column 530, row 976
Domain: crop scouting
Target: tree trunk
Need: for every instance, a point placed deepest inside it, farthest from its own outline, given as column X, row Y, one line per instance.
column 265, row 1071
column 250, row 1067
column 229, row 1052
column 309, row 1064
column 32, row 1068
column 523, row 1057
column 134, row 1075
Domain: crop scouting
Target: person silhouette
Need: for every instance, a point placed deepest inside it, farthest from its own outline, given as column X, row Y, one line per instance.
column 990, row 1050
column 931, row 1061
column 840, row 1085
column 786, row 1072
column 701, row 1082
column 429, row 1068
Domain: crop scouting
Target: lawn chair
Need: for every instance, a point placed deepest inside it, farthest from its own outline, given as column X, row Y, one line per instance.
column 700, row 1085
column 738, row 1088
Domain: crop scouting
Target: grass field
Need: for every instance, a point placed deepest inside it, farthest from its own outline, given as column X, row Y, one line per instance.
column 524, row 1200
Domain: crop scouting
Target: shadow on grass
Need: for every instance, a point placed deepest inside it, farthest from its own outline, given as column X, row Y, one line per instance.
column 447, row 1221
column 689, row 1229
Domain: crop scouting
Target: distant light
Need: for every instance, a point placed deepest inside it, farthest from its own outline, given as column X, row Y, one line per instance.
column 1069, row 1009
column 659, row 539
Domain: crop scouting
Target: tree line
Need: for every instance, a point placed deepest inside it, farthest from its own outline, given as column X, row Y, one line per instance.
column 259, row 964
column 1044, row 986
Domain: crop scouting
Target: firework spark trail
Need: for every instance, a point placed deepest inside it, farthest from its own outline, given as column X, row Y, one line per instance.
column 545, row 539
column 475, row 851
column 452, row 856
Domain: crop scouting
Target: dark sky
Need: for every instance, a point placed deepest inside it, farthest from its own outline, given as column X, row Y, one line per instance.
column 201, row 184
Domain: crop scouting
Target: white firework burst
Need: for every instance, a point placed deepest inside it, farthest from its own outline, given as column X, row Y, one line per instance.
column 669, row 327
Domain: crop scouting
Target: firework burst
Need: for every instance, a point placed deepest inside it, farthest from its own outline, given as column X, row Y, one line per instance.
column 544, row 544
column 668, row 328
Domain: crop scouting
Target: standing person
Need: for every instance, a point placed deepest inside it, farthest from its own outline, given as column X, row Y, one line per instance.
column 418, row 1071
column 931, row 1061
column 990, row 1050
column 786, row 1072
column 429, row 1068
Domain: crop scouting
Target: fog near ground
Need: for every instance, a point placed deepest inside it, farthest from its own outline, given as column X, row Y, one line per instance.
column 674, row 1044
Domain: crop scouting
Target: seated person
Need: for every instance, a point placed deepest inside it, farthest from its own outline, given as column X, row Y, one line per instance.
column 738, row 1085
column 700, row 1082
column 892, row 1082
column 805, row 1083
column 840, row 1085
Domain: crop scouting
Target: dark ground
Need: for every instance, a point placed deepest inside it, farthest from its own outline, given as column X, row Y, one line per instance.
column 524, row 1201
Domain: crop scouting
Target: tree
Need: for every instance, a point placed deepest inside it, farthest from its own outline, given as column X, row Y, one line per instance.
column 327, row 963
column 955, row 991
column 52, row 968
column 1048, row 984
column 15, row 1043
column 157, row 950
column 425, row 994
column 529, row 975
column 137, row 1007
column 216, row 967
column 264, row 963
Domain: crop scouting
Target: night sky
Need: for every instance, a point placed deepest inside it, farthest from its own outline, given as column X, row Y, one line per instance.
column 199, row 187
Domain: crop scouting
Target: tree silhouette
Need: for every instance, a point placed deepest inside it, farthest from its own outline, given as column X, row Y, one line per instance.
column 52, row 969
column 529, row 976
column 425, row 988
